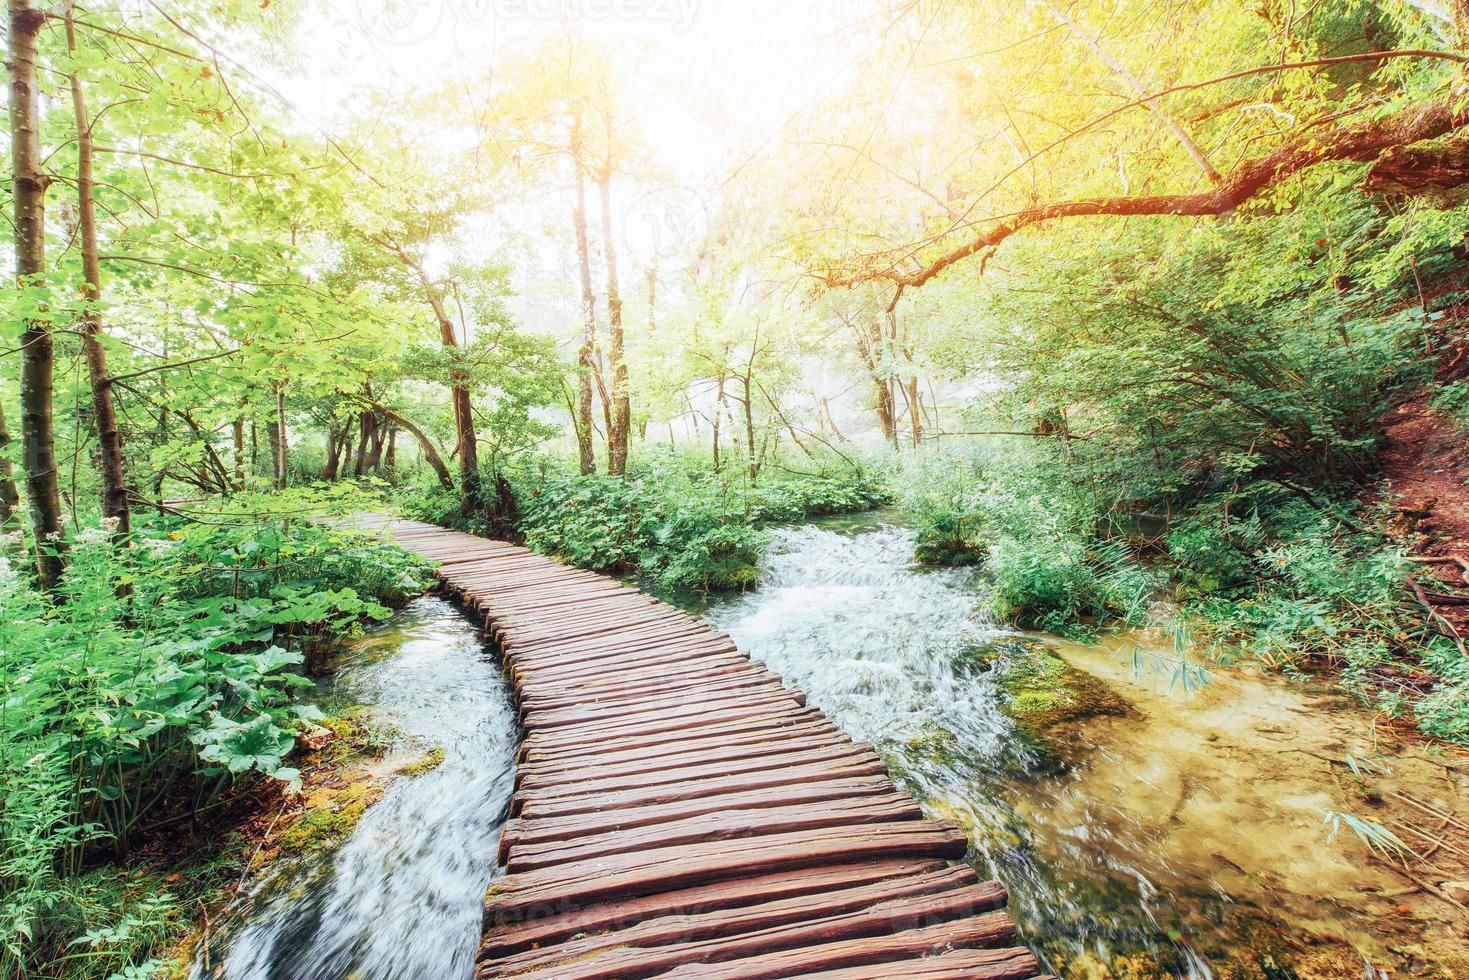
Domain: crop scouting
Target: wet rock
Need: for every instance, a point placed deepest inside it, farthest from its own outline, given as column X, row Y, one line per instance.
column 1050, row 700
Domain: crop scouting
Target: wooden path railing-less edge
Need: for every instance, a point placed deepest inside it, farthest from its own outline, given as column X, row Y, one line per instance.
column 679, row 812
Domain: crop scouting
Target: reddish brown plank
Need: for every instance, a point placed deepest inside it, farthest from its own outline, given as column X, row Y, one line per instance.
column 549, row 828
column 856, row 754
column 689, row 935
column 631, row 875
column 685, row 755
column 852, row 938
column 721, row 825
column 503, row 940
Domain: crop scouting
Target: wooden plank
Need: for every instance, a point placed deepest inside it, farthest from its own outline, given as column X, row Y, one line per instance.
column 851, row 938
column 663, row 705
column 631, row 875
column 503, row 940
column 679, row 932
column 959, row 964
column 724, row 824
column 686, row 754
column 698, row 672
column 541, row 788
column 988, row 930
column 547, row 828
column 542, row 745
column 677, row 697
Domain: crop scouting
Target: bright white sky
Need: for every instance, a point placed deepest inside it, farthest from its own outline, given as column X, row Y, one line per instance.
column 753, row 62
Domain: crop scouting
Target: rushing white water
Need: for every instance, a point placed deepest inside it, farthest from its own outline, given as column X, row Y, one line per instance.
column 872, row 640
column 400, row 899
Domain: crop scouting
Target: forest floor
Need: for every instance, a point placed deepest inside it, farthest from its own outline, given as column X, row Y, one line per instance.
column 1425, row 462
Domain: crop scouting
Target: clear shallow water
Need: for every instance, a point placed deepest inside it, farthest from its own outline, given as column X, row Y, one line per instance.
column 899, row 656
column 400, row 899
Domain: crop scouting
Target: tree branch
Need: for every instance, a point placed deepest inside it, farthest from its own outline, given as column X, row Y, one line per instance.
column 1365, row 142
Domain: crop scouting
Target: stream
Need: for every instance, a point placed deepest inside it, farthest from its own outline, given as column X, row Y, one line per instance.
column 1180, row 838
column 401, row 897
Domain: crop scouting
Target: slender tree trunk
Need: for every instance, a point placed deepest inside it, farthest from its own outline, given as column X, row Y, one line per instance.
column 390, row 458
column 620, row 424
column 9, row 494
column 104, row 411
column 364, row 437
column 915, row 410
column 471, row 496
column 273, row 437
column 237, row 440
column 718, row 410
column 37, row 418
column 582, row 422
column 752, row 463
column 349, row 444
column 283, row 442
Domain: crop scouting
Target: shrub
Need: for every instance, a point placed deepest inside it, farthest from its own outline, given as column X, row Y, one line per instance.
column 127, row 707
column 681, row 526
column 1066, row 584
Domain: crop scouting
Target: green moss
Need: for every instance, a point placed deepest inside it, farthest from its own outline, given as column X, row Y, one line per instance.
column 330, row 816
column 430, row 761
column 1049, row 699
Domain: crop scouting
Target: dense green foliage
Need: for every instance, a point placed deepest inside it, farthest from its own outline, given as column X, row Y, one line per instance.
column 161, row 682
column 1203, row 405
column 672, row 519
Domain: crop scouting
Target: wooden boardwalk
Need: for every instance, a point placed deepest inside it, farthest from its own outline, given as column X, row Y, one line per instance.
column 679, row 812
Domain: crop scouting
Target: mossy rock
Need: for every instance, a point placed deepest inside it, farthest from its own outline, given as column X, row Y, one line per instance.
column 331, row 814
column 1049, row 700
column 428, row 762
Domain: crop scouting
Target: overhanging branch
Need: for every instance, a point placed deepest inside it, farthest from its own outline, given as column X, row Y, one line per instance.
column 1365, row 142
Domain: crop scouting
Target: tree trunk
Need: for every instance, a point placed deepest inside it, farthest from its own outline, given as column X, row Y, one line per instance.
column 43, row 492
column 582, row 422
column 752, row 464
column 915, row 410
column 620, row 423
column 9, row 494
column 104, row 411
column 390, row 458
column 471, row 497
column 375, row 434
column 430, row 452
column 364, row 438
column 333, row 450
column 718, row 410
column 282, row 440
column 237, row 440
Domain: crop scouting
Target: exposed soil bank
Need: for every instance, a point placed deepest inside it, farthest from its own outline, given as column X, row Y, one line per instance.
column 1229, row 787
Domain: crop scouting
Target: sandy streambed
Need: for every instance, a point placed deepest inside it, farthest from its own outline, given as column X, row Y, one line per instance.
column 1229, row 786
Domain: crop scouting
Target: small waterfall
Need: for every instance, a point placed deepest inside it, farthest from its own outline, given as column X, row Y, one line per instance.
column 901, row 656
